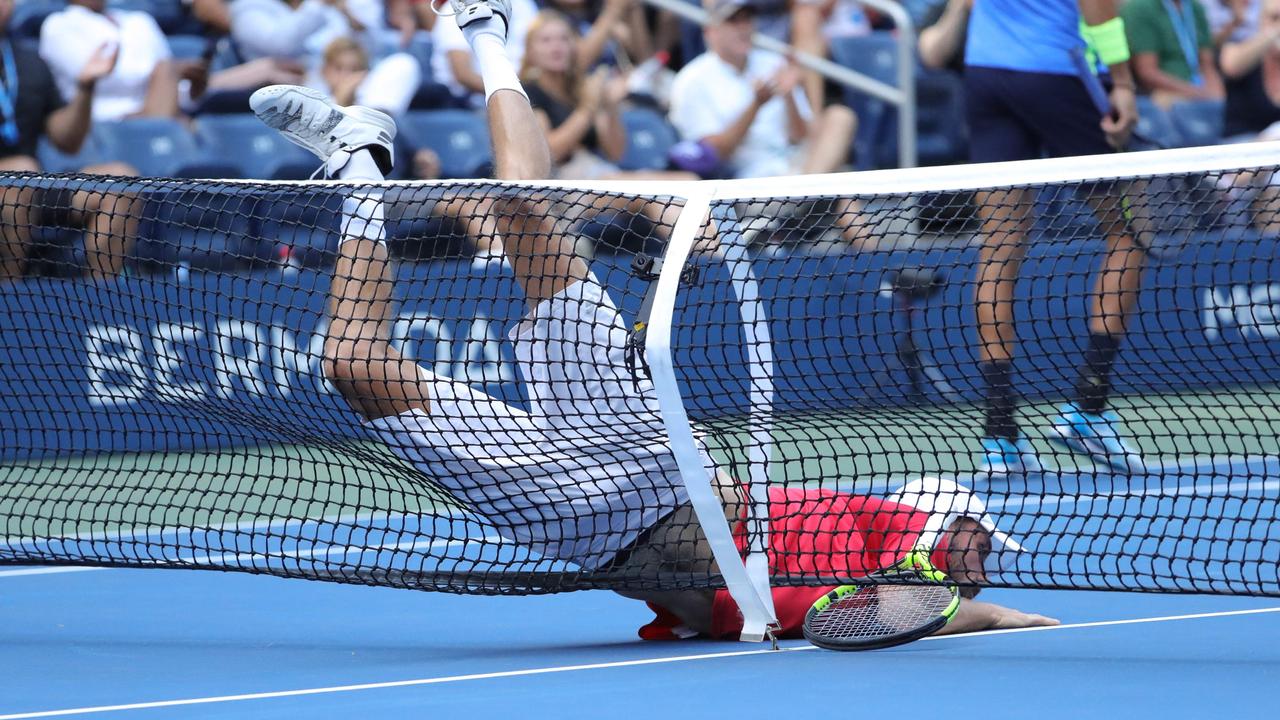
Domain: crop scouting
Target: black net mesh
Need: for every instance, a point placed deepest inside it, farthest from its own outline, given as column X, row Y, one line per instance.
column 202, row 375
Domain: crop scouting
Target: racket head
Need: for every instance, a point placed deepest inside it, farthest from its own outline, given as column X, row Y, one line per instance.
column 881, row 612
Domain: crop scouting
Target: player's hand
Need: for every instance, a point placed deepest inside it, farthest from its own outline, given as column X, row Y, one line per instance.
column 1118, row 124
column 975, row 616
column 99, row 65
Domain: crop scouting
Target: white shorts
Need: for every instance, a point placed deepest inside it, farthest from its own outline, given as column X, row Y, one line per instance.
column 582, row 473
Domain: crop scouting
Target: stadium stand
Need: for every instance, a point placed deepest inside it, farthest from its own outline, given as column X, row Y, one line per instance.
column 159, row 147
column 256, row 150
column 939, row 105
column 459, row 137
column 649, row 138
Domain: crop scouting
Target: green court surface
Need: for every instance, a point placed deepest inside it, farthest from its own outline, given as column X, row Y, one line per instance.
column 869, row 448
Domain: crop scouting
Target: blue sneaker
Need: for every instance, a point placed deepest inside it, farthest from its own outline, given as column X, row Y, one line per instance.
column 1002, row 456
column 1097, row 437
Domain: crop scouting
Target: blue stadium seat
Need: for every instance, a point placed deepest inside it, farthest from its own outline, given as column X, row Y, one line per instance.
column 1199, row 122
column 1155, row 128
column 459, row 137
column 941, row 133
column 255, row 149
column 52, row 159
column 874, row 55
column 649, row 138
column 29, row 15
column 226, row 55
column 158, row 147
column 188, row 47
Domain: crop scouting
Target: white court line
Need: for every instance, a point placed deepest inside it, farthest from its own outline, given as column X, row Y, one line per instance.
column 50, row 570
column 203, row 560
column 153, row 532
column 1202, row 491
column 576, row 668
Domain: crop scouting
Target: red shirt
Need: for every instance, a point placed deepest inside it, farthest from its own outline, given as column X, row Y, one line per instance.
column 817, row 532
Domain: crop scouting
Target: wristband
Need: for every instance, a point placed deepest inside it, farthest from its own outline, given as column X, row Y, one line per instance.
column 1108, row 41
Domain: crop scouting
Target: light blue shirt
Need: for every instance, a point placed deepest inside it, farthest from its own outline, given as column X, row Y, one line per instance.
column 1027, row 35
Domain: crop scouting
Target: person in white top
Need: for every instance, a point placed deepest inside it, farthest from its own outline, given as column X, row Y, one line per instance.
column 143, row 82
column 747, row 105
column 452, row 64
column 307, row 30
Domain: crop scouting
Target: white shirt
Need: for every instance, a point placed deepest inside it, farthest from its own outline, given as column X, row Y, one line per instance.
column 583, row 474
column 70, row 37
column 446, row 37
column 709, row 95
column 271, row 28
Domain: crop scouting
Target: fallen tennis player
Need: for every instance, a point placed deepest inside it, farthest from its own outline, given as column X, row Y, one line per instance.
column 585, row 476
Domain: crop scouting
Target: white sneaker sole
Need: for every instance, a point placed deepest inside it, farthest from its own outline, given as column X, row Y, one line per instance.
column 265, row 101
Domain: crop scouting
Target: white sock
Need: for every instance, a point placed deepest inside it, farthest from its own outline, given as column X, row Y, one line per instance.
column 495, row 67
column 359, row 165
column 362, row 212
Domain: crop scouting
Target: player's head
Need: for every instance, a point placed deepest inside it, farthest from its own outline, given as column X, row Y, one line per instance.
column 964, row 548
column 6, row 10
column 728, row 32
column 959, row 529
column 94, row 5
column 550, row 48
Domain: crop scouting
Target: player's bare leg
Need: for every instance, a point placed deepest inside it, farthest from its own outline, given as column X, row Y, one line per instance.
column 355, row 144
column 542, row 259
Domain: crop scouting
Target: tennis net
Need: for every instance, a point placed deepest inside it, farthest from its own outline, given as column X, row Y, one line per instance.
column 173, row 377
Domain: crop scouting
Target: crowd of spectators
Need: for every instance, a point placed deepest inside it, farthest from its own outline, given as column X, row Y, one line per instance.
column 591, row 66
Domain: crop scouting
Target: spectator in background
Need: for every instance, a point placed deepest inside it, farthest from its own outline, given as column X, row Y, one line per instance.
column 581, row 113
column 451, row 60
column 607, row 29
column 942, row 35
column 142, row 82
column 814, row 24
column 213, row 14
column 306, row 30
column 346, row 76
column 1251, row 68
column 1172, row 50
column 302, row 29
column 745, row 106
column 1232, row 20
column 581, row 116
column 1252, row 71
column 31, row 105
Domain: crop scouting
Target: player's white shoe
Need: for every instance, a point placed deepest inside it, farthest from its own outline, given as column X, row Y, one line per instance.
column 310, row 119
column 478, row 15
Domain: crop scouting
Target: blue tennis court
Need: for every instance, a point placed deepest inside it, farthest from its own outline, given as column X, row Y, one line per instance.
column 164, row 643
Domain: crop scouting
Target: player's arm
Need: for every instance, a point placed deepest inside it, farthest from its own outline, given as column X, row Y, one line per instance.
column 1107, row 37
column 542, row 259
column 975, row 615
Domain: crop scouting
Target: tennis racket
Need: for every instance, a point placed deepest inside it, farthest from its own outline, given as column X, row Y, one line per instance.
column 880, row 611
